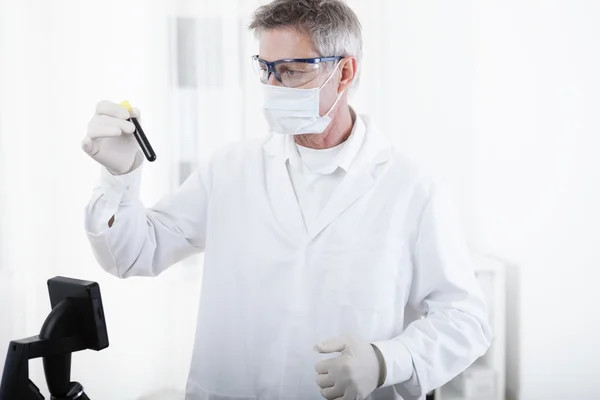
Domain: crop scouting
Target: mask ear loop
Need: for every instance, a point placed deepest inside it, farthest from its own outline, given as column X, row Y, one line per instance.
column 339, row 95
column 331, row 75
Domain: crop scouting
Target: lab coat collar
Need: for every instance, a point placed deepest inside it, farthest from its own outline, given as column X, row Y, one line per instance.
column 343, row 159
column 353, row 143
column 375, row 149
column 365, row 142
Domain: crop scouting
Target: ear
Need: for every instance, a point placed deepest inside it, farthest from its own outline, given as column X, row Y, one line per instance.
column 349, row 67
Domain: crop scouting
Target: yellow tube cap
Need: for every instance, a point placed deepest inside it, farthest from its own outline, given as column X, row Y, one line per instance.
column 126, row 104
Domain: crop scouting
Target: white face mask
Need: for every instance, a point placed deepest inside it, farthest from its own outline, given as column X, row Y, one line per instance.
column 292, row 111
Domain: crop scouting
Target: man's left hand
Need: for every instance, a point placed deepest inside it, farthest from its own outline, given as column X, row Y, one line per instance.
column 351, row 376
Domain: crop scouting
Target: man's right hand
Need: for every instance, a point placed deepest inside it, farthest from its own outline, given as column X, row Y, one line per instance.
column 110, row 141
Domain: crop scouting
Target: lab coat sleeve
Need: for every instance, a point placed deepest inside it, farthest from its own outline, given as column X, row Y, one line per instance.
column 145, row 241
column 455, row 329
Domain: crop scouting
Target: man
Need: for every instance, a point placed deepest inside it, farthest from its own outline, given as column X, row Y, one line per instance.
column 334, row 268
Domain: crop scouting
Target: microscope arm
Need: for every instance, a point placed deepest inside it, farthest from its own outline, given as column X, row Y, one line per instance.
column 75, row 323
column 15, row 380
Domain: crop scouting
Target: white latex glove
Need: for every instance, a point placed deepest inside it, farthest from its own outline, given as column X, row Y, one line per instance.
column 351, row 376
column 109, row 138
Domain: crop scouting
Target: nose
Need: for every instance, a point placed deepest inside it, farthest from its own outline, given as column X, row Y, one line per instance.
column 272, row 80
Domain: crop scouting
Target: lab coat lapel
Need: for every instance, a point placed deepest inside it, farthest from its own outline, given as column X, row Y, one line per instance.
column 356, row 183
column 358, row 180
column 280, row 190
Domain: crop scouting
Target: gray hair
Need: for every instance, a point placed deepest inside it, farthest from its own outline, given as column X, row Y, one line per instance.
column 331, row 24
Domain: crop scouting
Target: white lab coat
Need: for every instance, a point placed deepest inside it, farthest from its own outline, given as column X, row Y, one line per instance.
column 385, row 263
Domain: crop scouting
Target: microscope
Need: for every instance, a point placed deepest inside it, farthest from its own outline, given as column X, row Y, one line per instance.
column 75, row 323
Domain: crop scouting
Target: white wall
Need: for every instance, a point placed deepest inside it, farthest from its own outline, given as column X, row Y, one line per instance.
column 427, row 90
column 536, row 108
column 60, row 58
column 501, row 98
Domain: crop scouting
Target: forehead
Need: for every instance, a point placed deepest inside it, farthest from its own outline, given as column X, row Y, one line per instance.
column 284, row 43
